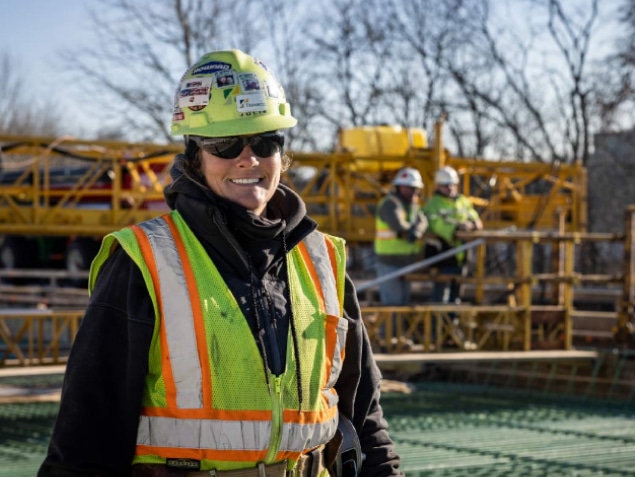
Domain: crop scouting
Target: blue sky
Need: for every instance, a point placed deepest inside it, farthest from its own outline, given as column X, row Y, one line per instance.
column 33, row 32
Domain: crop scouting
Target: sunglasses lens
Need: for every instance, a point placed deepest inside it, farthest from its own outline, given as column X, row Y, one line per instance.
column 263, row 145
column 227, row 147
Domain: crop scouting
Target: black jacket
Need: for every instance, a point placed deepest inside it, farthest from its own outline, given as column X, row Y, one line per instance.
column 95, row 431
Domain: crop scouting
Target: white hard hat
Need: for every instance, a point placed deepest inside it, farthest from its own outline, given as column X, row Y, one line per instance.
column 446, row 176
column 408, row 176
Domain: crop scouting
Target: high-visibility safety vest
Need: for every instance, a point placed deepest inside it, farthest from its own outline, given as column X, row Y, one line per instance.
column 206, row 396
column 386, row 240
column 445, row 214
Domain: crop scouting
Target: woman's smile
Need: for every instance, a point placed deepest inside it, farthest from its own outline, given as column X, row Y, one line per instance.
column 248, row 180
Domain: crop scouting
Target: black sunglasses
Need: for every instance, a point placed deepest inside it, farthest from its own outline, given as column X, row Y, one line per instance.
column 263, row 145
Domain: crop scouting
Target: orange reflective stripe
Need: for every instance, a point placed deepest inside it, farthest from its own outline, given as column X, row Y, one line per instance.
column 195, row 302
column 215, row 414
column 309, row 417
column 331, row 341
column 210, row 454
column 166, row 367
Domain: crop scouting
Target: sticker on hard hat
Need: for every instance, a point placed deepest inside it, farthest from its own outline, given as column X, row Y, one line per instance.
column 249, row 82
column 225, row 79
column 254, row 102
column 274, row 90
column 194, row 92
column 211, row 67
column 178, row 115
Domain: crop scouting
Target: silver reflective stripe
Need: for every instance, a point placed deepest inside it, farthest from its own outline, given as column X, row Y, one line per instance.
column 177, row 316
column 322, row 263
column 385, row 234
column 203, row 433
column 214, row 434
column 298, row 437
column 318, row 251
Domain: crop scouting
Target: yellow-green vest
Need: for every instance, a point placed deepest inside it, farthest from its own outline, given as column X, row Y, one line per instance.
column 206, row 396
column 444, row 214
column 386, row 240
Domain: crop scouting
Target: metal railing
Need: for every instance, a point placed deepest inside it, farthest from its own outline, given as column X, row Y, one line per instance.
column 37, row 337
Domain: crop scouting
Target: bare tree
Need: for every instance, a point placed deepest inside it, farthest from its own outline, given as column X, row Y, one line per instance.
column 511, row 87
column 353, row 56
column 425, row 36
column 572, row 34
column 22, row 114
column 358, row 62
column 293, row 58
column 143, row 47
column 614, row 91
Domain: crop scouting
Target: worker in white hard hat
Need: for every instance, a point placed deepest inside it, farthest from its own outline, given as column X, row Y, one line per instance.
column 399, row 227
column 448, row 212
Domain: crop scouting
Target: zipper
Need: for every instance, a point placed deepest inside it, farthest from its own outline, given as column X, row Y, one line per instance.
column 276, row 420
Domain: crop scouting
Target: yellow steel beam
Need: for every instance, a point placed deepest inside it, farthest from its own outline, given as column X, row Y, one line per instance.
column 48, row 335
column 341, row 194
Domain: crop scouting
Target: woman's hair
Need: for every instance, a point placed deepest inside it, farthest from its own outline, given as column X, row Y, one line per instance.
column 286, row 162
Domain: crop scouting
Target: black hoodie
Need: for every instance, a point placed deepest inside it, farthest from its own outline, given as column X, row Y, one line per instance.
column 95, row 432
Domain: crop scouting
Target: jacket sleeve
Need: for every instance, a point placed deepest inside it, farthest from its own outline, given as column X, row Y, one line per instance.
column 359, row 389
column 472, row 214
column 394, row 215
column 95, row 431
column 440, row 222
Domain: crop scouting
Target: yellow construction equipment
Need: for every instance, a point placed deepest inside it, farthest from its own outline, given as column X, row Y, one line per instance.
column 78, row 189
column 58, row 197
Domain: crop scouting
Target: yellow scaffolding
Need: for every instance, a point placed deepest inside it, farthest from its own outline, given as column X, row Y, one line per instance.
column 114, row 184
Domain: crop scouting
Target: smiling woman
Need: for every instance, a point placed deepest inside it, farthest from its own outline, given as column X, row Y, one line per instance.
column 245, row 170
column 225, row 335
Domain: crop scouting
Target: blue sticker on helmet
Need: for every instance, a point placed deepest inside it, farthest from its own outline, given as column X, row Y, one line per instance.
column 211, row 67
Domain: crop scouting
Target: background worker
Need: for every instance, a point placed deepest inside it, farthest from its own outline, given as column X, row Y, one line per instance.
column 399, row 227
column 225, row 337
column 448, row 212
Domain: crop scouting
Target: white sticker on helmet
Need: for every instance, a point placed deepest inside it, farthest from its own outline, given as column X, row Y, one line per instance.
column 254, row 102
column 178, row 115
column 194, row 92
column 249, row 82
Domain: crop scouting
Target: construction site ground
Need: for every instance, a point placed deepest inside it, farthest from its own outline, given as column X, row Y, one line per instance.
column 442, row 426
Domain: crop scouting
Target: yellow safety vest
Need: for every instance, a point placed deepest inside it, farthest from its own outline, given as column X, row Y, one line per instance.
column 386, row 240
column 206, row 396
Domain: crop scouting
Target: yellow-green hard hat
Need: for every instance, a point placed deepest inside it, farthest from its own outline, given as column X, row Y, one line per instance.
column 229, row 93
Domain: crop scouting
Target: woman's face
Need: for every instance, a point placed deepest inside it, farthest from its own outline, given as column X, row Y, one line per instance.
column 248, row 180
